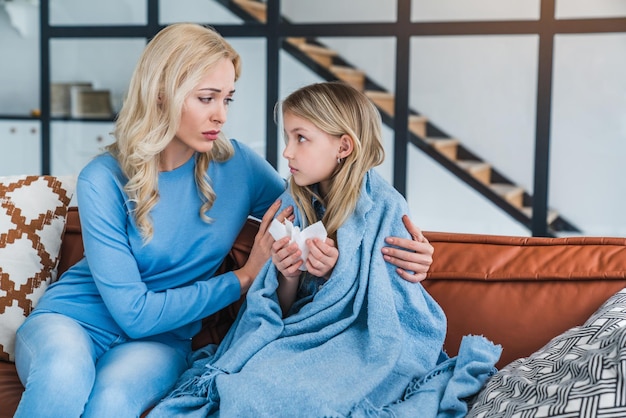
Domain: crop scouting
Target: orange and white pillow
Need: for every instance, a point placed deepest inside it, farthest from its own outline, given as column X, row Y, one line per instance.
column 33, row 211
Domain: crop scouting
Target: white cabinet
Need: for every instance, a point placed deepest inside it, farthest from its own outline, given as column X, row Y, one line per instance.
column 20, row 147
column 73, row 144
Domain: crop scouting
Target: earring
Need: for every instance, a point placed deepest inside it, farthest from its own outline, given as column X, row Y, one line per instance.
column 338, row 160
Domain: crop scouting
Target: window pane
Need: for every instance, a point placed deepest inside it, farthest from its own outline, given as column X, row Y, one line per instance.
column 474, row 10
column 581, row 9
column 589, row 132
column 329, row 11
column 96, row 12
column 104, row 63
column 198, row 11
column 246, row 115
column 481, row 92
column 19, row 72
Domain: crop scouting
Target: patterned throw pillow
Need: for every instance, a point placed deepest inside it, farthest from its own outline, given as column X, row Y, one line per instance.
column 33, row 210
column 580, row 373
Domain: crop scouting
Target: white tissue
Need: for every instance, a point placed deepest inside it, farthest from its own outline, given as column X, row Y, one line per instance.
column 317, row 230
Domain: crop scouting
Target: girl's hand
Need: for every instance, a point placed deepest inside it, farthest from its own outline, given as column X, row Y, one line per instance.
column 322, row 257
column 416, row 257
column 286, row 258
column 261, row 249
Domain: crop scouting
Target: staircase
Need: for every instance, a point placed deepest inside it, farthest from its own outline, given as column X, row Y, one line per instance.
column 433, row 141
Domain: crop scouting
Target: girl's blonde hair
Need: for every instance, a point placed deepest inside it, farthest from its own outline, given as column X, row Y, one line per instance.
column 338, row 109
column 171, row 66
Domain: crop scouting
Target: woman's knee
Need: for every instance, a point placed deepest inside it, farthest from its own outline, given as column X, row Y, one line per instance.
column 55, row 362
column 54, row 348
column 132, row 377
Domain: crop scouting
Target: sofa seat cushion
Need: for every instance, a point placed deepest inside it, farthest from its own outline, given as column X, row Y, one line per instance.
column 33, row 212
column 578, row 373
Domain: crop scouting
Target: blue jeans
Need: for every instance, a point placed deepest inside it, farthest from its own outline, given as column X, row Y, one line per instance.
column 70, row 369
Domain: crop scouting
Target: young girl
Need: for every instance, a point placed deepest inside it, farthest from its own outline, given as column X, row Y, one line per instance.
column 329, row 153
column 348, row 337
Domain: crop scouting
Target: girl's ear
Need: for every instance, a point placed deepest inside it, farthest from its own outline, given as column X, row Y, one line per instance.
column 346, row 145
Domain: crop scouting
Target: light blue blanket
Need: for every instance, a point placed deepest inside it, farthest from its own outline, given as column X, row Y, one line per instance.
column 368, row 344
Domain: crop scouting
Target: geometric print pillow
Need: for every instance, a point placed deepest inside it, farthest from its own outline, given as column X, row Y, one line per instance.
column 580, row 373
column 33, row 210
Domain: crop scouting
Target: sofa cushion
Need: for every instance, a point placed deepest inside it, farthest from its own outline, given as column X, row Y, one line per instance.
column 578, row 373
column 33, row 211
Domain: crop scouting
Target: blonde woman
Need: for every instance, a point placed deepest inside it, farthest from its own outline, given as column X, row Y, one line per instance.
column 159, row 211
column 112, row 335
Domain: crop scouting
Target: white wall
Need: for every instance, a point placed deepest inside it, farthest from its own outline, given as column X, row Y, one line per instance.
column 480, row 89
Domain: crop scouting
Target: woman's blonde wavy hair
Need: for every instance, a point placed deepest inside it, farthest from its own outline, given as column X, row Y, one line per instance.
column 338, row 109
column 169, row 69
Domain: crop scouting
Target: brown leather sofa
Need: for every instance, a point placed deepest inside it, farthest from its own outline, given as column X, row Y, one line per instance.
column 518, row 292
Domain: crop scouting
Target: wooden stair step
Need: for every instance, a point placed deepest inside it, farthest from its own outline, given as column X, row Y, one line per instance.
column 480, row 170
column 446, row 146
column 552, row 214
column 319, row 54
column 382, row 99
column 417, row 125
column 255, row 8
column 296, row 40
column 352, row 76
column 510, row 192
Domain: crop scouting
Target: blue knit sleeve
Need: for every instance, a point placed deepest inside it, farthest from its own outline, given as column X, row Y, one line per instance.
column 148, row 295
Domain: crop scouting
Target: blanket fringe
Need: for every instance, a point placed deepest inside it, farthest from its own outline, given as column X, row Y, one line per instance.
column 417, row 382
column 202, row 386
column 365, row 409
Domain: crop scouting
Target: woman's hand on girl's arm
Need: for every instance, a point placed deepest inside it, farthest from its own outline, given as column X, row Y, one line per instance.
column 322, row 257
column 261, row 249
column 414, row 257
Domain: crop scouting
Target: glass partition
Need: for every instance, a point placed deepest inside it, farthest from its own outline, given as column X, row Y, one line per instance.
column 198, row 11
column 330, row 11
column 474, row 10
column 19, row 49
column 583, row 9
column 589, row 132
column 100, row 65
column 97, row 13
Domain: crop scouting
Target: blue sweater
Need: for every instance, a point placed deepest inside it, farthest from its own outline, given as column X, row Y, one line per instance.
column 163, row 289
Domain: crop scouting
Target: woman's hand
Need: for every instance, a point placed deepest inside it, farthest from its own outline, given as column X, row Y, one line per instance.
column 261, row 249
column 416, row 255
